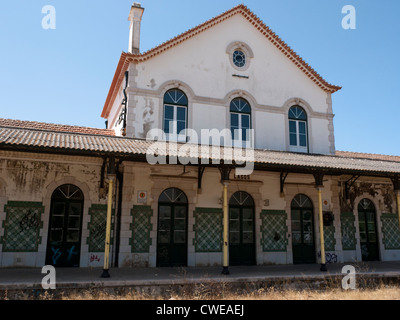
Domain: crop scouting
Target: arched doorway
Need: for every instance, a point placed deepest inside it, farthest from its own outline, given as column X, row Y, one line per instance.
column 242, row 249
column 303, row 243
column 65, row 227
column 367, row 229
column 172, row 228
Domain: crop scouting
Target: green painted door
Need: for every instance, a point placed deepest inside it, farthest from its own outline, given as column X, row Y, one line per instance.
column 172, row 229
column 65, row 227
column 303, row 244
column 367, row 228
column 242, row 249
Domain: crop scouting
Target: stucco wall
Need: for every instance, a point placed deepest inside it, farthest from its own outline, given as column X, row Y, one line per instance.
column 201, row 67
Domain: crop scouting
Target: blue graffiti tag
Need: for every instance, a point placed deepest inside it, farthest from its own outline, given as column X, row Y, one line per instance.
column 71, row 252
column 56, row 255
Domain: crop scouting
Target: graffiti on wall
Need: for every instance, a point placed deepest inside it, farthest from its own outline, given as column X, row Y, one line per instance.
column 94, row 258
column 330, row 257
column 29, row 221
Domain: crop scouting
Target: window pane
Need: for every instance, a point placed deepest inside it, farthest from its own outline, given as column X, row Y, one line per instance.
column 234, row 225
column 296, row 237
column 248, row 237
column 179, row 225
column 293, row 139
column 163, row 237
column 168, row 126
column 247, row 225
column 247, row 214
column 74, row 222
column 56, row 235
column 73, row 236
column 308, row 237
column 234, row 213
column 169, row 113
column 303, row 140
column 295, row 215
column 292, row 127
column 181, row 125
column 164, row 225
column 181, row 114
column 57, row 222
column 165, row 212
column 302, row 127
column 180, row 212
column 245, row 121
column 176, row 96
column 235, row 120
column 296, row 226
column 179, row 236
column 234, row 237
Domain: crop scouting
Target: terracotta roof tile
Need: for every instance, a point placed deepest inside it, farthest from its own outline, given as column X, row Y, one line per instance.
column 54, row 127
column 360, row 155
column 126, row 58
column 36, row 140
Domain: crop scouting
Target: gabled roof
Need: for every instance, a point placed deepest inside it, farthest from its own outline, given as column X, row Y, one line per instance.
column 126, row 58
column 36, row 140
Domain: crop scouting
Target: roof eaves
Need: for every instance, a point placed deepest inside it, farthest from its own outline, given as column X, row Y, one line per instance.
column 122, row 66
column 257, row 23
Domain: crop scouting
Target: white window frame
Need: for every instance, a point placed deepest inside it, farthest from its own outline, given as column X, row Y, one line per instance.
column 174, row 135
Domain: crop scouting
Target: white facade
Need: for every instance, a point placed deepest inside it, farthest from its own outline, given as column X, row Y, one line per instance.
column 201, row 66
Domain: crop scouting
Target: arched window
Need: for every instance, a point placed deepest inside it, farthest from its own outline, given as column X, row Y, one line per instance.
column 303, row 245
column 175, row 115
column 368, row 230
column 298, row 133
column 242, row 243
column 172, row 242
column 240, row 120
column 65, row 227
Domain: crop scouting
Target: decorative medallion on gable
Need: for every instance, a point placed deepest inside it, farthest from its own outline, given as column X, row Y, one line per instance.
column 240, row 55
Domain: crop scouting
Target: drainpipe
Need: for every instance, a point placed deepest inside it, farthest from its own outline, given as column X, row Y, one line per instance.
column 111, row 178
column 125, row 103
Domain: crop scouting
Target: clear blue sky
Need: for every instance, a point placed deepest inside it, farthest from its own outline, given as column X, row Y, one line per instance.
column 63, row 75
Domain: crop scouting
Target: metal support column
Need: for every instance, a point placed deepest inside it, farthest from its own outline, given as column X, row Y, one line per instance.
column 225, row 269
column 319, row 184
column 321, row 230
column 398, row 205
column 105, row 273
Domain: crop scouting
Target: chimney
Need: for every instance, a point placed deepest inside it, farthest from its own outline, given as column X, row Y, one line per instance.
column 135, row 17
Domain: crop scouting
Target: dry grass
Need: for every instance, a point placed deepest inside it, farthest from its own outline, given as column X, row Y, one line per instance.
column 368, row 288
column 214, row 291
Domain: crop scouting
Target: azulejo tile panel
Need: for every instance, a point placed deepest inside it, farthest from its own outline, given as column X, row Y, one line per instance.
column 347, row 220
column 329, row 237
column 208, row 230
column 391, row 231
column 97, row 227
column 274, row 230
column 141, row 227
column 22, row 226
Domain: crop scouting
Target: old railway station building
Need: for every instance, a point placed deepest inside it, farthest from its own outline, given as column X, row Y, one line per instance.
column 302, row 202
